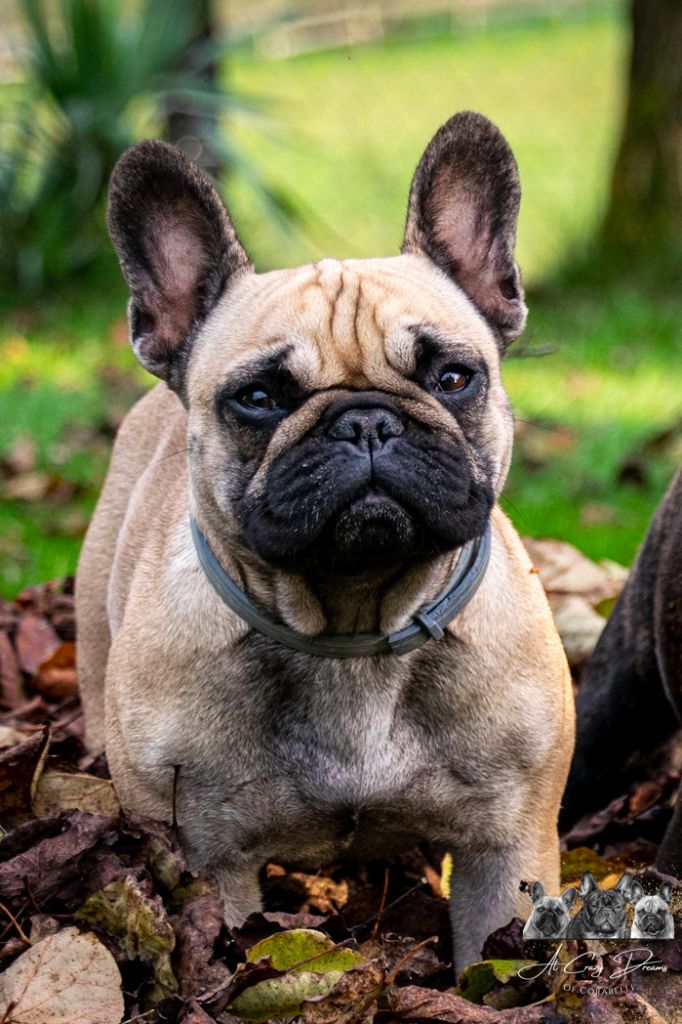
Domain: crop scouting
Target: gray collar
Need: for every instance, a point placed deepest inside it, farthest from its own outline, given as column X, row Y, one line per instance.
column 426, row 624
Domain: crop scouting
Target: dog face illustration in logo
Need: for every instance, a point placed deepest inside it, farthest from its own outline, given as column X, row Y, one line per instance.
column 653, row 919
column 549, row 919
column 604, row 911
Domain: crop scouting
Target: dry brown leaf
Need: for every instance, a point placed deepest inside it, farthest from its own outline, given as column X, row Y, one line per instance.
column 35, row 642
column 57, row 674
column 62, row 791
column 565, row 570
column 10, row 676
column 20, row 770
column 324, row 894
column 67, row 978
column 578, row 625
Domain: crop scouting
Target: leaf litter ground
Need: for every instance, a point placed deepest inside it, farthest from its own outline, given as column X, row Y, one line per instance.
column 101, row 921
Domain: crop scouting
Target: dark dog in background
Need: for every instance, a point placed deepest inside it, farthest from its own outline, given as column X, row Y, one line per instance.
column 630, row 698
column 653, row 919
column 604, row 911
column 550, row 916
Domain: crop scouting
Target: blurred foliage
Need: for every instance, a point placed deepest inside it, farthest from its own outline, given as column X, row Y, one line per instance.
column 599, row 418
column 96, row 79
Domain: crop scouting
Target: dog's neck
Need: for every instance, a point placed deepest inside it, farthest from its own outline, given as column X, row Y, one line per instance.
column 311, row 604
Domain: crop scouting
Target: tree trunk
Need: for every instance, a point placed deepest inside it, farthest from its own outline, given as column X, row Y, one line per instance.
column 190, row 125
column 645, row 208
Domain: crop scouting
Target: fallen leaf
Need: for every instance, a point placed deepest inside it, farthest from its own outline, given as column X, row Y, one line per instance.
column 59, row 791
column 311, row 965
column 192, row 1013
column 10, row 676
column 282, row 997
column 57, row 674
column 27, row 486
column 20, row 769
column 288, row 950
column 415, row 1005
column 351, row 1001
column 565, row 570
column 50, row 863
column 138, row 922
column 35, row 642
column 323, row 894
column 478, row 979
column 578, row 625
column 10, row 737
column 197, row 928
column 67, row 978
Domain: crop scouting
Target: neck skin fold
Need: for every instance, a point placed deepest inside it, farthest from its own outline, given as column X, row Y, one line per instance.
column 375, row 602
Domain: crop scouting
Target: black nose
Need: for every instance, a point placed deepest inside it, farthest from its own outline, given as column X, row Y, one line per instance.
column 367, row 429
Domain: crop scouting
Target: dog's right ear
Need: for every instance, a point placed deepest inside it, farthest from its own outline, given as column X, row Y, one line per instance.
column 177, row 249
column 665, row 892
column 537, row 891
column 568, row 898
column 636, row 892
column 587, row 884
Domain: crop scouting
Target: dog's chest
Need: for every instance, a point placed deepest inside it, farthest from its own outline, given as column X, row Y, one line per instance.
column 347, row 758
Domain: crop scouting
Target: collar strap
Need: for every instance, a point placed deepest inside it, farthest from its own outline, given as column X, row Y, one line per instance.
column 428, row 623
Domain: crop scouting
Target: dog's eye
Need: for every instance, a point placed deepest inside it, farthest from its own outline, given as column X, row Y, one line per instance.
column 256, row 398
column 454, row 379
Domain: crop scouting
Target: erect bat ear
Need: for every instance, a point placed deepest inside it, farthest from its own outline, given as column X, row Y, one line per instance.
column 462, row 213
column 624, row 884
column 537, row 891
column 587, row 884
column 177, row 249
column 666, row 892
column 636, row 892
column 568, row 898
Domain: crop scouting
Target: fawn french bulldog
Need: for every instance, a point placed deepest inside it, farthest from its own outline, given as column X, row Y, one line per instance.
column 550, row 915
column 306, row 628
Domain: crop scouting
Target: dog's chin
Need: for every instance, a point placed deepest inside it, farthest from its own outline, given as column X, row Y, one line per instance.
column 372, row 532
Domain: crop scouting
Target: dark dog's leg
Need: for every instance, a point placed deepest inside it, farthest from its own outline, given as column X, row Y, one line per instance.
column 627, row 695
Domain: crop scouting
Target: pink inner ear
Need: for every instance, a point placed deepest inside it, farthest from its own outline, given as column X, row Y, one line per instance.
column 181, row 258
column 457, row 223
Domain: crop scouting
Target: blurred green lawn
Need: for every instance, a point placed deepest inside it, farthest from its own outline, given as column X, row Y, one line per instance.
column 348, row 129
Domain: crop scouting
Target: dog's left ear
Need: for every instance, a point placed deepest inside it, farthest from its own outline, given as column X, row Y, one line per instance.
column 666, row 892
column 462, row 213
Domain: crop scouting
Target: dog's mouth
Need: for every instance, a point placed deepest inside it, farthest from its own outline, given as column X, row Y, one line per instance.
column 371, row 530
column 344, row 516
column 550, row 922
column 651, row 923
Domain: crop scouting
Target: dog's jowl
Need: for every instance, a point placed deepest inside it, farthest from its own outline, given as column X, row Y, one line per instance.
column 298, row 600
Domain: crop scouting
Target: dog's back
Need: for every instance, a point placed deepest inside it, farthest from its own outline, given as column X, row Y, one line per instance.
column 152, row 430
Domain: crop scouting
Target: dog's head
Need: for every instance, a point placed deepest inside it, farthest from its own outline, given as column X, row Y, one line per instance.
column 651, row 912
column 550, row 913
column 605, row 910
column 347, row 414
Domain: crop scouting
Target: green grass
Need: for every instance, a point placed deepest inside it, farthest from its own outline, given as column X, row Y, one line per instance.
column 351, row 127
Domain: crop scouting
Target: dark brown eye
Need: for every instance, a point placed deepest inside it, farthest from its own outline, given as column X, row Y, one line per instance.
column 256, row 398
column 453, row 380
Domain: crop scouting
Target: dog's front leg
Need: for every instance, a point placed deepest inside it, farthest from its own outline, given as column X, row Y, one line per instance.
column 484, row 896
column 240, row 891
column 485, row 887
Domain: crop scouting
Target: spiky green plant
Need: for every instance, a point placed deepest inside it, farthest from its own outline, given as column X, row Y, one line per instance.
column 94, row 79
